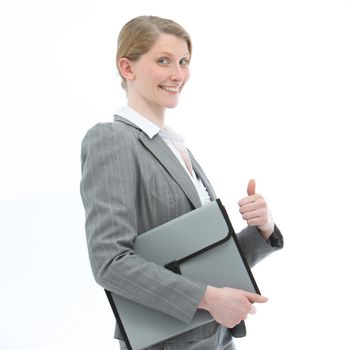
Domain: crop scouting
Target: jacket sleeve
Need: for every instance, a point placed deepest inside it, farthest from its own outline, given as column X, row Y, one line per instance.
column 109, row 193
column 254, row 246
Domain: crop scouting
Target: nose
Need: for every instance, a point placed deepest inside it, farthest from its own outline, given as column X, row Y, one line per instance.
column 177, row 74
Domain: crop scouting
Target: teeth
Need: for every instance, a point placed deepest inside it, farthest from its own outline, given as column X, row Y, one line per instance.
column 169, row 88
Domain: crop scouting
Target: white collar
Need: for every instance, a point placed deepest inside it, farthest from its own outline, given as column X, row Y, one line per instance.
column 143, row 123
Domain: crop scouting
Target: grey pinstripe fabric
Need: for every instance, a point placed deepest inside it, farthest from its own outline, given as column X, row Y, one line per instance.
column 130, row 184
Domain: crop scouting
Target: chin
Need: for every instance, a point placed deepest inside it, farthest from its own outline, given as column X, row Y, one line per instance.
column 171, row 105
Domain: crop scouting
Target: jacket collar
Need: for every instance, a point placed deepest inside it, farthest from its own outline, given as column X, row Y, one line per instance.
column 139, row 120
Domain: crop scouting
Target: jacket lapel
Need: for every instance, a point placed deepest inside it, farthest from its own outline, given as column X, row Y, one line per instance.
column 166, row 157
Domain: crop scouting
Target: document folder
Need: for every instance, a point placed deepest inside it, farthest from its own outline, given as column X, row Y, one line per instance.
column 202, row 246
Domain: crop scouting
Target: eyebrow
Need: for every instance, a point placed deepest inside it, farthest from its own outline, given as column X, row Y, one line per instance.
column 170, row 54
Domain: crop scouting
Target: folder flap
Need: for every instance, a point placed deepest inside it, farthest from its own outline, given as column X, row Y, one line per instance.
column 179, row 240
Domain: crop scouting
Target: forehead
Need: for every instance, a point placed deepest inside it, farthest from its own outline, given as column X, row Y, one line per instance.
column 171, row 44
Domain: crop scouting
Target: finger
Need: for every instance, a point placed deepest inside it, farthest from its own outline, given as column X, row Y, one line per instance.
column 250, row 207
column 247, row 200
column 251, row 187
column 257, row 213
column 256, row 197
column 255, row 298
column 252, row 215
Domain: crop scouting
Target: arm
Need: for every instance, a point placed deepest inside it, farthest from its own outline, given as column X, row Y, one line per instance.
column 109, row 190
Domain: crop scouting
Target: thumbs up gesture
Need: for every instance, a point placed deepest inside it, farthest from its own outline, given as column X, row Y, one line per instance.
column 255, row 212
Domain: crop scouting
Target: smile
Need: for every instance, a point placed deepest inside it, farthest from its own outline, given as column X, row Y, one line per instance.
column 170, row 88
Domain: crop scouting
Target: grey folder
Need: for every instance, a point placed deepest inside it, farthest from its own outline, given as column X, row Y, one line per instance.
column 200, row 245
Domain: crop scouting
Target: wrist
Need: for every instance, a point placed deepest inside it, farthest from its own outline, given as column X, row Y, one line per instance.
column 267, row 229
column 267, row 232
column 204, row 303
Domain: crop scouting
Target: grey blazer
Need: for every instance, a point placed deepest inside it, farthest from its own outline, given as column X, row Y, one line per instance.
column 130, row 184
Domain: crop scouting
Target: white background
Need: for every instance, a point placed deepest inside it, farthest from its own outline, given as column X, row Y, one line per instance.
column 268, row 99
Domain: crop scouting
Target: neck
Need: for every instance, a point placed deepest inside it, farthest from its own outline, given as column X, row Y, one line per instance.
column 154, row 113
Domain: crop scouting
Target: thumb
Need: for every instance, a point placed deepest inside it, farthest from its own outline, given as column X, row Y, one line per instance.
column 251, row 187
column 255, row 298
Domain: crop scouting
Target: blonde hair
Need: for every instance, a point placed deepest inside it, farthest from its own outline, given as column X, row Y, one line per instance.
column 139, row 34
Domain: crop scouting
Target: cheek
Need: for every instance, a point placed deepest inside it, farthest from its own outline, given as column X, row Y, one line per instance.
column 154, row 74
column 187, row 75
column 148, row 75
column 160, row 76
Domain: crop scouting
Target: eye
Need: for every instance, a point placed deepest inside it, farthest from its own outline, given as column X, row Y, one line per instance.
column 163, row 61
column 184, row 62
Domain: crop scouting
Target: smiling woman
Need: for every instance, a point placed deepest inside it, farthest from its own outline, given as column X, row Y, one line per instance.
column 155, row 80
column 153, row 56
column 137, row 174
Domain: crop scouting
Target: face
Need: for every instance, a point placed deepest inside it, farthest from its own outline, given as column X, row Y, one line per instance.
column 160, row 74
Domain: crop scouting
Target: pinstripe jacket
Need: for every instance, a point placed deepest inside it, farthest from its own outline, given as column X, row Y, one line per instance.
column 130, row 184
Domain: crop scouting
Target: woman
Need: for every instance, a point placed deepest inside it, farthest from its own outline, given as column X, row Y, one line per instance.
column 137, row 174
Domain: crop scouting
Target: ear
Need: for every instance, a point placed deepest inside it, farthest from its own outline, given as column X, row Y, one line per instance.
column 126, row 69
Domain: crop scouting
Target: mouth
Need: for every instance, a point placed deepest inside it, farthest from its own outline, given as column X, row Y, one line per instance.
column 171, row 89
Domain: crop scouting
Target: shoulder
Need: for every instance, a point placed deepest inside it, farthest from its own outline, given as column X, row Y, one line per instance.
column 109, row 142
column 110, row 133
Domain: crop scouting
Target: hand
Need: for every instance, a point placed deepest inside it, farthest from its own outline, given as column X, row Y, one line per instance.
column 255, row 211
column 229, row 306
